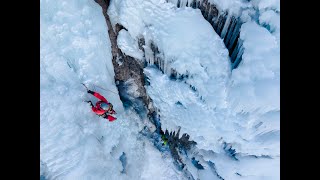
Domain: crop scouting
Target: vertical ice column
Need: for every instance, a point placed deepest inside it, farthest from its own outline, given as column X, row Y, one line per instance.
column 230, row 30
column 235, row 34
column 239, row 56
column 193, row 4
column 226, row 26
column 213, row 12
column 221, row 21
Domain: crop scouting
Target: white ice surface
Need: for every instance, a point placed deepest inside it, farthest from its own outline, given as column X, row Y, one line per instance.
column 242, row 108
column 181, row 35
column 272, row 19
column 128, row 45
column 267, row 4
column 256, row 83
column 74, row 142
column 244, row 112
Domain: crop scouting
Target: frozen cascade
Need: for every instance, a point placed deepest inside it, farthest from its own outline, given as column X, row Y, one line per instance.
column 226, row 24
column 232, row 134
column 150, row 34
column 151, row 55
column 234, row 36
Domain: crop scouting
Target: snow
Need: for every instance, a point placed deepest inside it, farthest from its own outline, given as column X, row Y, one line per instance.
column 180, row 106
column 230, row 5
column 74, row 142
column 272, row 19
column 256, row 83
column 240, row 107
column 267, row 4
column 158, row 166
column 181, row 35
column 248, row 168
column 255, row 89
column 224, row 5
column 191, row 113
column 128, row 45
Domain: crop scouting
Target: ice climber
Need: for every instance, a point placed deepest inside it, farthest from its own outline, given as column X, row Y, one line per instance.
column 103, row 108
column 163, row 138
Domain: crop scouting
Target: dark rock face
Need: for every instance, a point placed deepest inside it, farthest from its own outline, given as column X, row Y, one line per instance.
column 129, row 72
column 125, row 67
column 177, row 144
column 118, row 28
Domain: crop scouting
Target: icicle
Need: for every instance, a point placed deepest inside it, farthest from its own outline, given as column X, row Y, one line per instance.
column 220, row 24
column 159, row 61
column 162, row 65
column 235, row 52
column 235, row 34
column 165, row 65
column 215, row 21
column 198, row 4
column 184, row 3
column 162, row 62
column 203, row 8
column 207, row 9
column 226, row 26
column 213, row 12
column 239, row 58
column 193, row 4
column 210, row 16
column 230, row 30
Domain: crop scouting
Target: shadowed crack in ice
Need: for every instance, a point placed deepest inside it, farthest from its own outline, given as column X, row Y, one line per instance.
column 123, row 159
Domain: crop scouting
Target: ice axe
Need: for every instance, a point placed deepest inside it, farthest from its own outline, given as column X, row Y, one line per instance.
column 85, row 86
column 98, row 87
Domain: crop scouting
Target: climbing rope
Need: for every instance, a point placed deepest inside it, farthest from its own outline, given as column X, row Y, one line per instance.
column 98, row 87
column 105, row 89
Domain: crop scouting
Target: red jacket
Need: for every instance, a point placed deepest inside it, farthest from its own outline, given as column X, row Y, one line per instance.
column 97, row 109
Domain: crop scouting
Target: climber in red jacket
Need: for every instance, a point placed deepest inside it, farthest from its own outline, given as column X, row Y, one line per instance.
column 103, row 107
